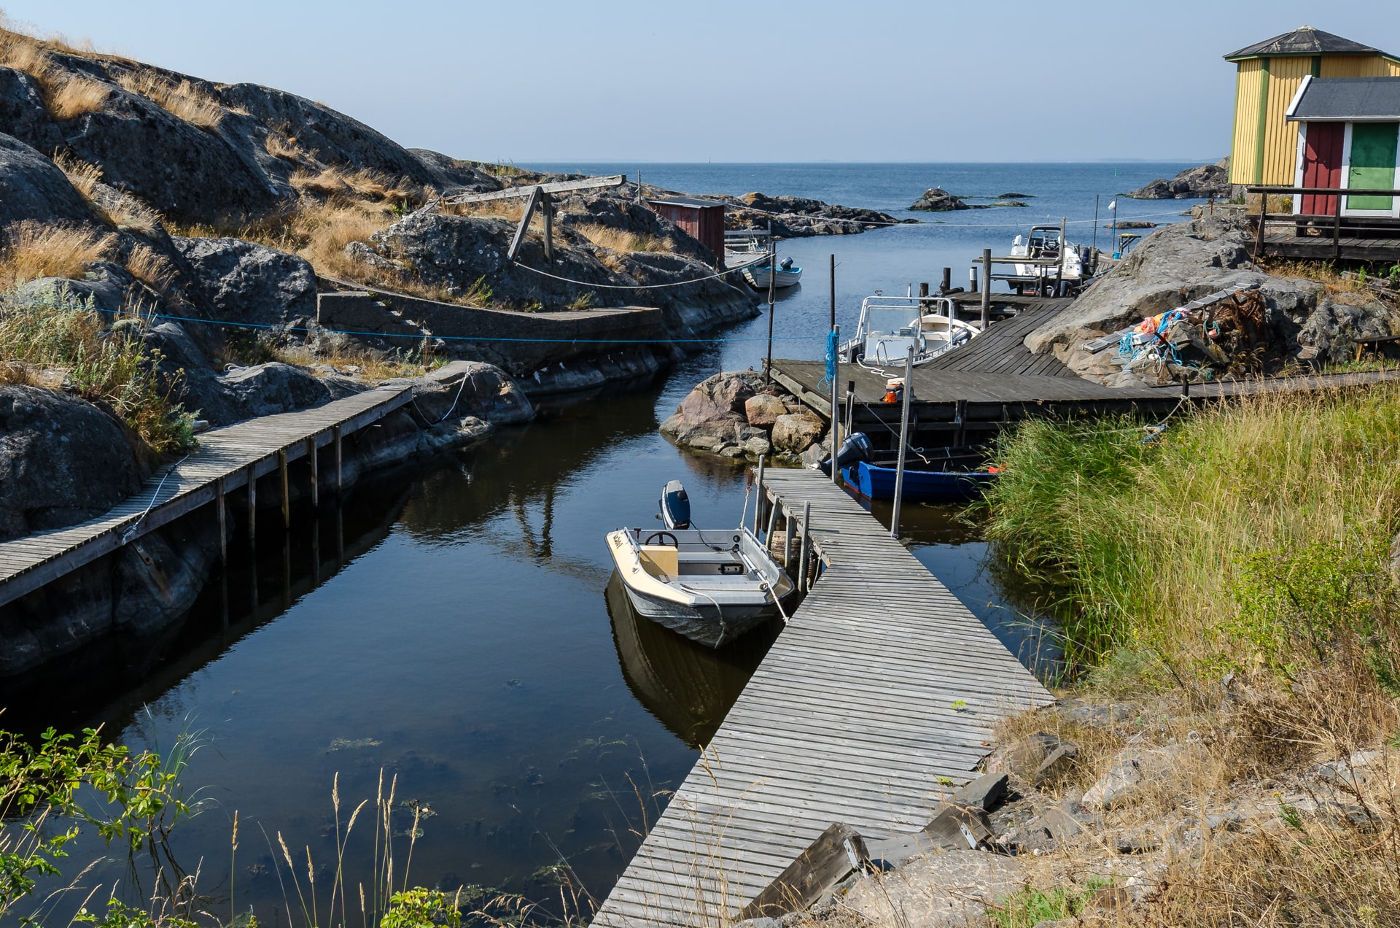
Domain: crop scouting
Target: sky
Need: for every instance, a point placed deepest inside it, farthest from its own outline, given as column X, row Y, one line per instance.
column 530, row 81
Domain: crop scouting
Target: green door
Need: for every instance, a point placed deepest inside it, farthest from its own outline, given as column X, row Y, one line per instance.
column 1372, row 163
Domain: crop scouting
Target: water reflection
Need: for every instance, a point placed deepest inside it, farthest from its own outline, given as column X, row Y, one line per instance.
column 687, row 687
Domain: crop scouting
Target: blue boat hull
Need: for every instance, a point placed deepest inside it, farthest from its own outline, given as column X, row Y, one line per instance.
column 921, row 486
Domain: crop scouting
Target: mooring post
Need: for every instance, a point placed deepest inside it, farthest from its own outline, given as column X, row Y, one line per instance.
column 986, row 287
column 772, row 524
column 772, row 278
column 903, row 443
column 805, row 550
column 252, row 506
column 850, row 406
column 972, row 279
column 286, row 491
column 315, row 472
column 221, row 508
column 923, row 295
column 758, row 504
column 339, row 485
column 787, row 539
column 835, row 408
column 946, row 283
column 1060, row 269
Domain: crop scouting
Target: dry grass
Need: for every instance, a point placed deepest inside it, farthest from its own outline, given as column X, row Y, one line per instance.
column 281, row 145
column 332, row 182
column 621, row 240
column 32, row 250
column 1319, row 272
column 150, row 268
column 362, row 364
column 121, row 209
column 181, row 99
column 66, row 95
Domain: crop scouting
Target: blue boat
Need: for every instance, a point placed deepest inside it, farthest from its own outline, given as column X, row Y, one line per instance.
column 876, row 481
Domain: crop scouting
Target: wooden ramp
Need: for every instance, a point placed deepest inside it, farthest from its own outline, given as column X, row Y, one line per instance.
column 224, row 460
column 878, row 697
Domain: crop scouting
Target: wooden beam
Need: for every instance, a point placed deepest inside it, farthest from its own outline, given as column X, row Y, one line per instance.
column 536, row 194
column 563, row 186
column 547, row 208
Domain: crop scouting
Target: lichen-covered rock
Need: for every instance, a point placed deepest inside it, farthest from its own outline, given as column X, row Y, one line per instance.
column 939, row 890
column 764, row 409
column 797, row 217
column 1206, row 180
column 795, row 431
column 33, row 188
column 243, row 282
column 62, row 460
column 938, row 200
column 268, row 389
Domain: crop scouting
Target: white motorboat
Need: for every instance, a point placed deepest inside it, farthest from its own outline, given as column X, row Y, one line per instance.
column 890, row 325
column 749, row 249
column 1058, row 269
column 787, row 275
column 709, row 585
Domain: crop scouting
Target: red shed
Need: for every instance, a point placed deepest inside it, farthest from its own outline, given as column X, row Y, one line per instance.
column 703, row 220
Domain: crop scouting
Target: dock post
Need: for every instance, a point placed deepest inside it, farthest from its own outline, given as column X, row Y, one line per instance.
column 947, row 283
column 1060, row 269
column 804, row 551
column 986, row 287
column 772, row 524
column 787, row 539
column 339, row 474
column 772, row 277
column 222, row 509
column 923, row 295
column 252, row 506
column 315, row 473
column 286, row 494
column 903, row 444
column 972, row 279
column 758, row 503
column 835, row 429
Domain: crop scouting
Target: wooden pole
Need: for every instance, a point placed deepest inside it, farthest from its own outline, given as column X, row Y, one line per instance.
column 758, row 506
column 903, row 444
column 547, row 208
column 946, row 283
column 339, row 474
column 223, row 520
column 831, row 307
column 286, row 490
column 805, row 550
column 772, row 523
column 315, row 473
column 252, row 506
column 835, row 410
column 1060, row 268
column 772, row 278
column 788, row 521
column 986, row 288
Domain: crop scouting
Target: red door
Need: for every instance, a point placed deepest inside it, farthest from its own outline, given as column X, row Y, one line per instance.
column 1322, row 166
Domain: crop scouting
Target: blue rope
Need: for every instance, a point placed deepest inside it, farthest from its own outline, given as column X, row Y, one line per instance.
column 831, row 349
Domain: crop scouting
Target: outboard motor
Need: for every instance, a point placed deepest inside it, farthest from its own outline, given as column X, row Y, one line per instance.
column 786, row 264
column 675, row 506
column 855, row 448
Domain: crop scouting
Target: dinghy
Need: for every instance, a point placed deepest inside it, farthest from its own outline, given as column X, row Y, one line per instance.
column 709, row 585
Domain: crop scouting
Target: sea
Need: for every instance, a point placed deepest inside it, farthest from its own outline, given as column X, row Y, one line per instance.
column 455, row 632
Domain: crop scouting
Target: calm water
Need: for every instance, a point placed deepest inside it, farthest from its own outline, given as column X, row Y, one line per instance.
column 454, row 626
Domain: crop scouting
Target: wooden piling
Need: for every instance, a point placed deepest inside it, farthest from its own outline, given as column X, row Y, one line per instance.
column 758, row 502
column 787, row 540
column 805, row 550
column 946, row 283
column 986, row 288
column 252, row 506
column 339, row 477
column 221, row 507
column 315, row 472
column 286, row 490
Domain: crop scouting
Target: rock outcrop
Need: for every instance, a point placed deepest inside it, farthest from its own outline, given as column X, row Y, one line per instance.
column 1207, row 180
column 246, row 283
column 797, row 217
column 736, row 414
column 1183, row 262
column 938, row 200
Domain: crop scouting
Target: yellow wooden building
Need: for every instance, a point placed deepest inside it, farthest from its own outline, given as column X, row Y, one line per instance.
column 1265, row 149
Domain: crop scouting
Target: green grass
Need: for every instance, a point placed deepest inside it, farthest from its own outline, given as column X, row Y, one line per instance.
column 1178, row 547
column 54, row 333
column 1030, row 907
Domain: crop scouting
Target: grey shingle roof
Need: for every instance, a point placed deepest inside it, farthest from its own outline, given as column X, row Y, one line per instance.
column 1349, row 98
column 1305, row 40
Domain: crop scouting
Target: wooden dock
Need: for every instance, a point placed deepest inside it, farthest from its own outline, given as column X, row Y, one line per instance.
column 225, row 459
column 879, row 695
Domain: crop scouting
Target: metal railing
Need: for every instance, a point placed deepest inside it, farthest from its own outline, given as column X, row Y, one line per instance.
column 1335, row 220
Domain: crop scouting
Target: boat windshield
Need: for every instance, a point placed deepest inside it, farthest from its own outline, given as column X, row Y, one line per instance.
column 893, row 320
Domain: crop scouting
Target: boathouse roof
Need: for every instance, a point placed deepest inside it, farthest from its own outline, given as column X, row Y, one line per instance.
column 693, row 202
column 1305, row 40
column 1347, row 99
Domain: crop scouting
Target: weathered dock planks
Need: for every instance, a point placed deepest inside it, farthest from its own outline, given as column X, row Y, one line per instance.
column 882, row 689
column 224, row 460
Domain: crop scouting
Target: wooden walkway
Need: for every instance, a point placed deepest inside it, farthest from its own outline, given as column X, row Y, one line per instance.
column 881, row 692
column 1002, row 349
column 225, row 459
column 1323, row 248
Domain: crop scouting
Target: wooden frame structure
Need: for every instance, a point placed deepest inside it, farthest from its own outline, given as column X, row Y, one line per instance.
column 538, row 196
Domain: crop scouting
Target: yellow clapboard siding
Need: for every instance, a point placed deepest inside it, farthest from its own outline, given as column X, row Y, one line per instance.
column 1281, row 136
column 1246, row 121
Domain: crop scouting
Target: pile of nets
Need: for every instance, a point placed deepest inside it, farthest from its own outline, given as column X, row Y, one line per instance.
column 1229, row 336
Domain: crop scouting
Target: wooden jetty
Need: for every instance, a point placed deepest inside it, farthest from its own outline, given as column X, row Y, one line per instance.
column 877, row 698
column 225, row 460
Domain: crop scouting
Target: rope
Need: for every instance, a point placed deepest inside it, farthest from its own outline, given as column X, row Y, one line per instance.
column 964, row 225
column 677, row 283
column 131, row 529
column 443, row 417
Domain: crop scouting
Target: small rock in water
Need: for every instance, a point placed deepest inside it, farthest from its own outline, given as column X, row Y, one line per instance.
column 352, row 744
column 938, row 200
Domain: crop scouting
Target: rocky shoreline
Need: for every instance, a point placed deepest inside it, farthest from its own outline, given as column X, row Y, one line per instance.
column 1206, row 180
column 739, row 416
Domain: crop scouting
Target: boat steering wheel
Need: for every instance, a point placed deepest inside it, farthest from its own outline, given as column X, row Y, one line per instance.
column 661, row 538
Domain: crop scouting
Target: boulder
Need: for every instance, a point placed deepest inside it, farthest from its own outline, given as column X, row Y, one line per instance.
column 719, row 396
column 454, row 174
column 1207, row 180
column 938, row 200
column 62, row 460
column 274, row 387
column 763, row 410
column 796, row 431
column 33, row 188
column 939, row 890
column 1130, row 769
column 243, row 282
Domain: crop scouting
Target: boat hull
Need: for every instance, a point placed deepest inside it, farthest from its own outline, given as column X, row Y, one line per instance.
column 702, row 624
column 758, row 278
column 877, row 482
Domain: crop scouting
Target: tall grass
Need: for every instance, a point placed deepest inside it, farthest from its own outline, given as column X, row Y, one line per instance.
column 30, row 250
column 120, row 208
column 181, row 99
column 103, row 363
column 1167, row 545
column 66, row 95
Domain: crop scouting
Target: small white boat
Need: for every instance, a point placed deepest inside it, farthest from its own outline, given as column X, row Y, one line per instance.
column 706, row 584
column 890, row 325
column 1073, row 265
column 787, row 275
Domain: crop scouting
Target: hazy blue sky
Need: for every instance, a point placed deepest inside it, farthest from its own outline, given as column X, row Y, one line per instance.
column 875, row 80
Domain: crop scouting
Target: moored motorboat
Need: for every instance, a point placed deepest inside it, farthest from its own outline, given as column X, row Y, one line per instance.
column 1055, row 267
column 709, row 585
column 787, row 275
column 928, row 478
column 890, row 325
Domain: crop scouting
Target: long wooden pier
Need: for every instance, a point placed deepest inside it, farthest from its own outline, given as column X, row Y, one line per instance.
column 225, row 459
column 878, row 698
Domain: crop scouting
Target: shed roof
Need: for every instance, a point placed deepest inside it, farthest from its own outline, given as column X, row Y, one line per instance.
column 693, row 202
column 1305, row 40
column 1347, row 99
